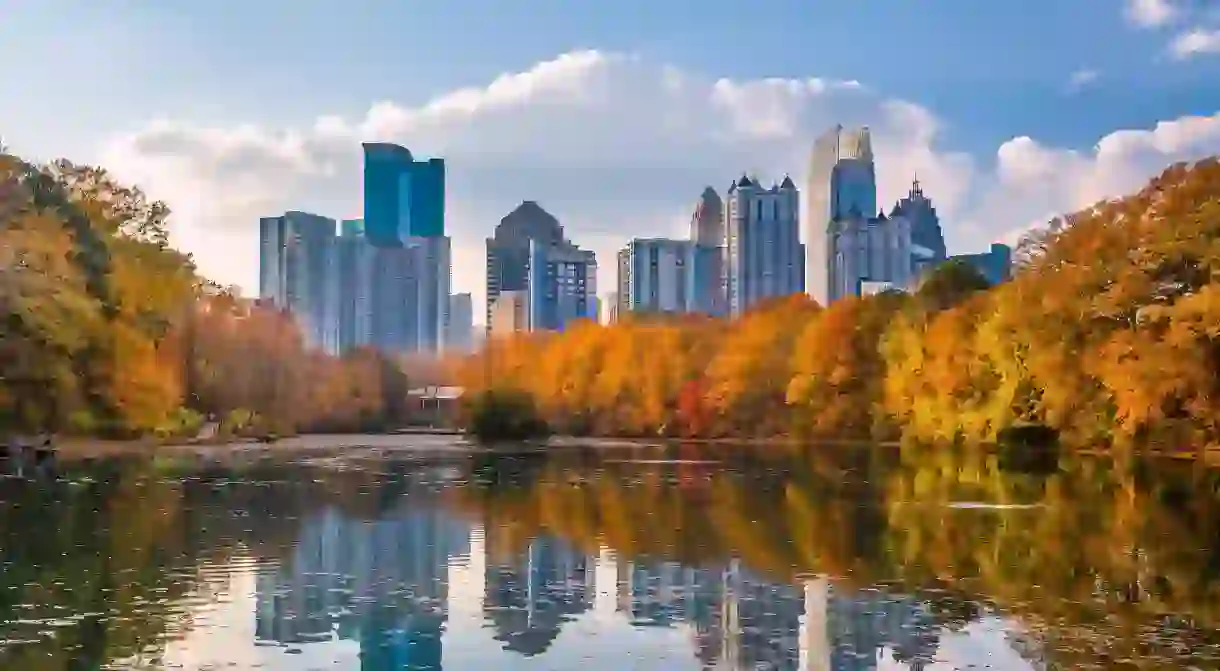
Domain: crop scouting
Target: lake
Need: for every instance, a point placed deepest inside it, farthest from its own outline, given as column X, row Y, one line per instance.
column 603, row 559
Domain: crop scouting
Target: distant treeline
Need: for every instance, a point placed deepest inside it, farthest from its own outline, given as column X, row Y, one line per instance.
column 109, row 331
column 1108, row 333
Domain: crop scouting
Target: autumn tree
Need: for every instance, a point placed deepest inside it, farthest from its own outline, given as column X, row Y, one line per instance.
column 837, row 367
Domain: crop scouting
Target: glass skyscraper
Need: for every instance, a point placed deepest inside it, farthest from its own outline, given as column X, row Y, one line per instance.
column 296, row 258
column 508, row 250
column 842, row 179
column 384, row 280
column 402, row 197
column 560, row 285
column 764, row 257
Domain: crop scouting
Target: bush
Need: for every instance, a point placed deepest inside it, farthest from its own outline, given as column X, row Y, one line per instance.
column 503, row 415
column 181, row 423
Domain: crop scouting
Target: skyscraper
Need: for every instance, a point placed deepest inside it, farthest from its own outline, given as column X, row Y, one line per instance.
column 841, row 179
column 508, row 248
column 671, row 275
column 461, row 323
column 296, row 260
column 764, row 256
column 560, row 285
column 352, row 286
column 402, row 197
column 657, row 275
column 868, row 253
column 404, row 215
column 927, row 241
column 707, row 234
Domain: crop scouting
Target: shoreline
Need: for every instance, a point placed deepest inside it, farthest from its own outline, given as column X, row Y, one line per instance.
column 451, row 442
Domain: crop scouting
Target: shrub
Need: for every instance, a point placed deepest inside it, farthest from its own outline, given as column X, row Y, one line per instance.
column 503, row 415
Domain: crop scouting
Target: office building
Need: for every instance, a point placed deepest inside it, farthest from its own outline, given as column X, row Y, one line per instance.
column 461, row 323
column 927, row 239
column 508, row 248
column 841, row 183
column 529, row 253
column 763, row 254
column 431, row 289
column 670, row 275
column 346, row 292
column 870, row 254
column 509, row 313
column 402, row 197
column 296, row 258
column 709, row 282
column 352, row 287
column 561, row 284
column 657, row 275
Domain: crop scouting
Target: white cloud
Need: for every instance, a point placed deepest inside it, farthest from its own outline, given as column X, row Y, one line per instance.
column 1082, row 78
column 615, row 146
column 1195, row 42
column 1151, row 13
column 1033, row 181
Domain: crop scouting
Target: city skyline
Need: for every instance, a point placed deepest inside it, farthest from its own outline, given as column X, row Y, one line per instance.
column 990, row 124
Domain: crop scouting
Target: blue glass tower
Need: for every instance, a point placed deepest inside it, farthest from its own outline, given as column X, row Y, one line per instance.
column 402, row 197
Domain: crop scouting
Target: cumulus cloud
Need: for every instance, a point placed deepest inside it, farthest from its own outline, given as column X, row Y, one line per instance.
column 615, row 146
column 1195, row 42
column 1151, row 13
column 1034, row 182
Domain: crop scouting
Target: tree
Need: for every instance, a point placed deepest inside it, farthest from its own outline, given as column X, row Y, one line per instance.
column 949, row 284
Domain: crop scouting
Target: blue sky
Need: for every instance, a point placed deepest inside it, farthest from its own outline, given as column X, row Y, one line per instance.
column 75, row 75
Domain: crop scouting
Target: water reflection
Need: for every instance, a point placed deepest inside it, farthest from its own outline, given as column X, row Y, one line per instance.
column 835, row 560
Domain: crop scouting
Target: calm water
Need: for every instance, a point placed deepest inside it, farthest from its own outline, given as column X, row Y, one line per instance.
column 639, row 559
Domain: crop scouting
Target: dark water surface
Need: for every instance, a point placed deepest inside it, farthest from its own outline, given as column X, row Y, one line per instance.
column 626, row 559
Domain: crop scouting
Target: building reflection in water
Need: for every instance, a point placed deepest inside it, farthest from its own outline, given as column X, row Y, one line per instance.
column 384, row 583
column 742, row 622
column 528, row 599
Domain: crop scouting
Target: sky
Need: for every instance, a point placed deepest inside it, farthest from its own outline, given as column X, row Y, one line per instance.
column 612, row 115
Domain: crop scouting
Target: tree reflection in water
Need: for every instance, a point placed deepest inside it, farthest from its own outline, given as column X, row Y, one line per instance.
column 829, row 556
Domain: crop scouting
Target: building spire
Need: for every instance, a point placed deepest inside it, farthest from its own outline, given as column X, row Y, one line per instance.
column 916, row 190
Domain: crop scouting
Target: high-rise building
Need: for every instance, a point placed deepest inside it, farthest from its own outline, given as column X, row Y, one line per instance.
column 296, row 259
column 708, row 287
column 508, row 252
column 402, row 197
column 669, row 275
column 841, row 181
column 764, row 256
column 657, row 275
column 461, row 323
column 925, row 223
column 869, row 253
column 352, row 287
column 430, row 292
column 561, row 285
column 404, row 214
column 383, row 281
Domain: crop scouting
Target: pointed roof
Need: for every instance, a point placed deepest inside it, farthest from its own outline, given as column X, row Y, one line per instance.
column 787, row 183
column 744, row 181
